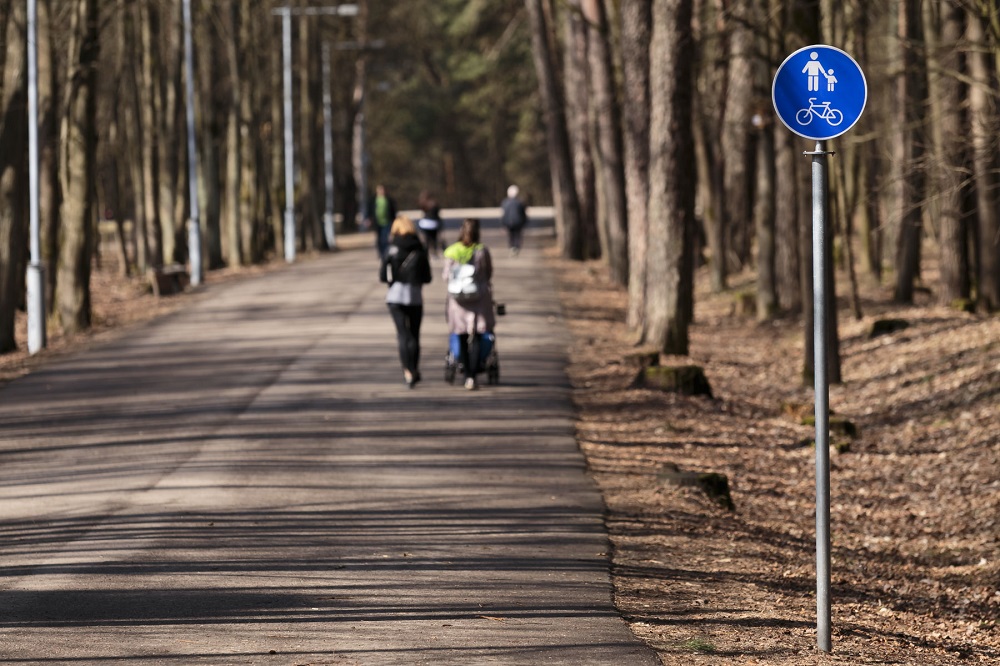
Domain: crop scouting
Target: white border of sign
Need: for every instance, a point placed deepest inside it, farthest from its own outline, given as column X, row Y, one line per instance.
column 774, row 81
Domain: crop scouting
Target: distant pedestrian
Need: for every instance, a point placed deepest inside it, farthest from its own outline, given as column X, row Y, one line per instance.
column 513, row 217
column 380, row 211
column 430, row 223
column 406, row 269
column 468, row 269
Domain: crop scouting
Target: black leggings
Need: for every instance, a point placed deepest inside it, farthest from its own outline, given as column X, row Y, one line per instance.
column 468, row 354
column 407, row 319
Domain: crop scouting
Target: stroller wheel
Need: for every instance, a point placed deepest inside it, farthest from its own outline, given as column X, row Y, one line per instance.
column 450, row 366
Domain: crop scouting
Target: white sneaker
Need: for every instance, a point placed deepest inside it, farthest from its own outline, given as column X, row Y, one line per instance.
column 470, row 383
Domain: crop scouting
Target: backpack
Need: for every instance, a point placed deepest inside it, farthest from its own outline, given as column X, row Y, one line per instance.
column 462, row 283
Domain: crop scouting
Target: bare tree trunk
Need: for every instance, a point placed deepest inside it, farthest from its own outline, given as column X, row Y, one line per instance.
column 736, row 133
column 909, row 149
column 306, row 126
column 13, row 188
column 561, row 165
column 232, row 224
column 211, row 131
column 48, row 133
column 984, row 123
column 711, row 101
column 250, row 214
column 670, row 269
column 78, row 144
column 609, row 140
column 168, row 96
column 578, row 127
column 952, row 163
column 148, row 27
column 636, row 17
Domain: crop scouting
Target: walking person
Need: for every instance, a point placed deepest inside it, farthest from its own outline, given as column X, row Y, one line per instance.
column 380, row 212
column 430, row 223
column 513, row 217
column 469, row 270
column 406, row 269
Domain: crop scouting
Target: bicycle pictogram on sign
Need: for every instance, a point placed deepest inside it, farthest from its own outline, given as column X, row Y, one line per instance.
column 822, row 111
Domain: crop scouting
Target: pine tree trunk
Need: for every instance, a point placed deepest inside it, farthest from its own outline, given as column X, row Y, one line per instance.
column 985, row 123
column 77, row 167
column 909, row 150
column 636, row 18
column 670, row 266
column 567, row 210
column 48, row 133
column 736, row 133
column 609, row 141
column 13, row 185
column 578, row 128
column 232, row 222
column 148, row 27
column 211, row 133
column 952, row 164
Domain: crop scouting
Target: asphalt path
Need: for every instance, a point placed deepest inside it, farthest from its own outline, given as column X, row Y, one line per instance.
column 249, row 481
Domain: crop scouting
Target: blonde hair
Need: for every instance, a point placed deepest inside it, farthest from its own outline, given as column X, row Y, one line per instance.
column 402, row 226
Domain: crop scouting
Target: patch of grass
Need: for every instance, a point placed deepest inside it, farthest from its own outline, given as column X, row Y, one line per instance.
column 699, row 645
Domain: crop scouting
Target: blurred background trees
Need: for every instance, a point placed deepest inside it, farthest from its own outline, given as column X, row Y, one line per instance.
column 646, row 123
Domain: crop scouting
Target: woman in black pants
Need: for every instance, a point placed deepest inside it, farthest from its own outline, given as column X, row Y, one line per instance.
column 406, row 268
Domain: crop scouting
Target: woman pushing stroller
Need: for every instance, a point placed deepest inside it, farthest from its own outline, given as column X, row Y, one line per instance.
column 468, row 269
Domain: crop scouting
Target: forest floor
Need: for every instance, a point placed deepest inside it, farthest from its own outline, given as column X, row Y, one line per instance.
column 915, row 499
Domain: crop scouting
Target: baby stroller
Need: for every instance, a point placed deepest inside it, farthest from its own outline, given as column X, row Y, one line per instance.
column 485, row 345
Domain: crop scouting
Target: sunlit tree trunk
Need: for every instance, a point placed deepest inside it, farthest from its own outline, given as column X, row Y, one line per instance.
column 78, row 134
column 670, row 270
column 636, row 19
column 736, row 134
column 232, row 210
column 610, row 166
column 984, row 124
column 578, row 128
column 150, row 142
column 567, row 210
column 951, row 164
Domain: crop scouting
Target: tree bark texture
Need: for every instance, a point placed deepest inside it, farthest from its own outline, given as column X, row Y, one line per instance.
column 77, row 167
column 736, row 133
column 567, row 211
column 952, row 162
column 13, row 187
column 909, row 150
column 610, row 165
column 670, row 266
column 984, row 127
column 578, row 129
column 636, row 19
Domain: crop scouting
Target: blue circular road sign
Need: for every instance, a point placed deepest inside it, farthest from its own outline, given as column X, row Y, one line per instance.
column 819, row 92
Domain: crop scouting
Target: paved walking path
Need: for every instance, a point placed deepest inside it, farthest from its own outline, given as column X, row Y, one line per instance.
column 249, row 481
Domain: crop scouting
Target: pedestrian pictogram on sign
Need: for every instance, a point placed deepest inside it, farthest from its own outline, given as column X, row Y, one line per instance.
column 819, row 92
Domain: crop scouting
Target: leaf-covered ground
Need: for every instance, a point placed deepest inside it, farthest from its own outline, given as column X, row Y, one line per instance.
column 915, row 497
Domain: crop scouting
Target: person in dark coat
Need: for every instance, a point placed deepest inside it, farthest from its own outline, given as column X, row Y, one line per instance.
column 406, row 269
column 514, row 217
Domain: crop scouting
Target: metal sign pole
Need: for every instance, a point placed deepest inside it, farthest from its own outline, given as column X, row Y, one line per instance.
column 822, row 395
column 35, row 278
column 328, row 228
column 286, row 52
